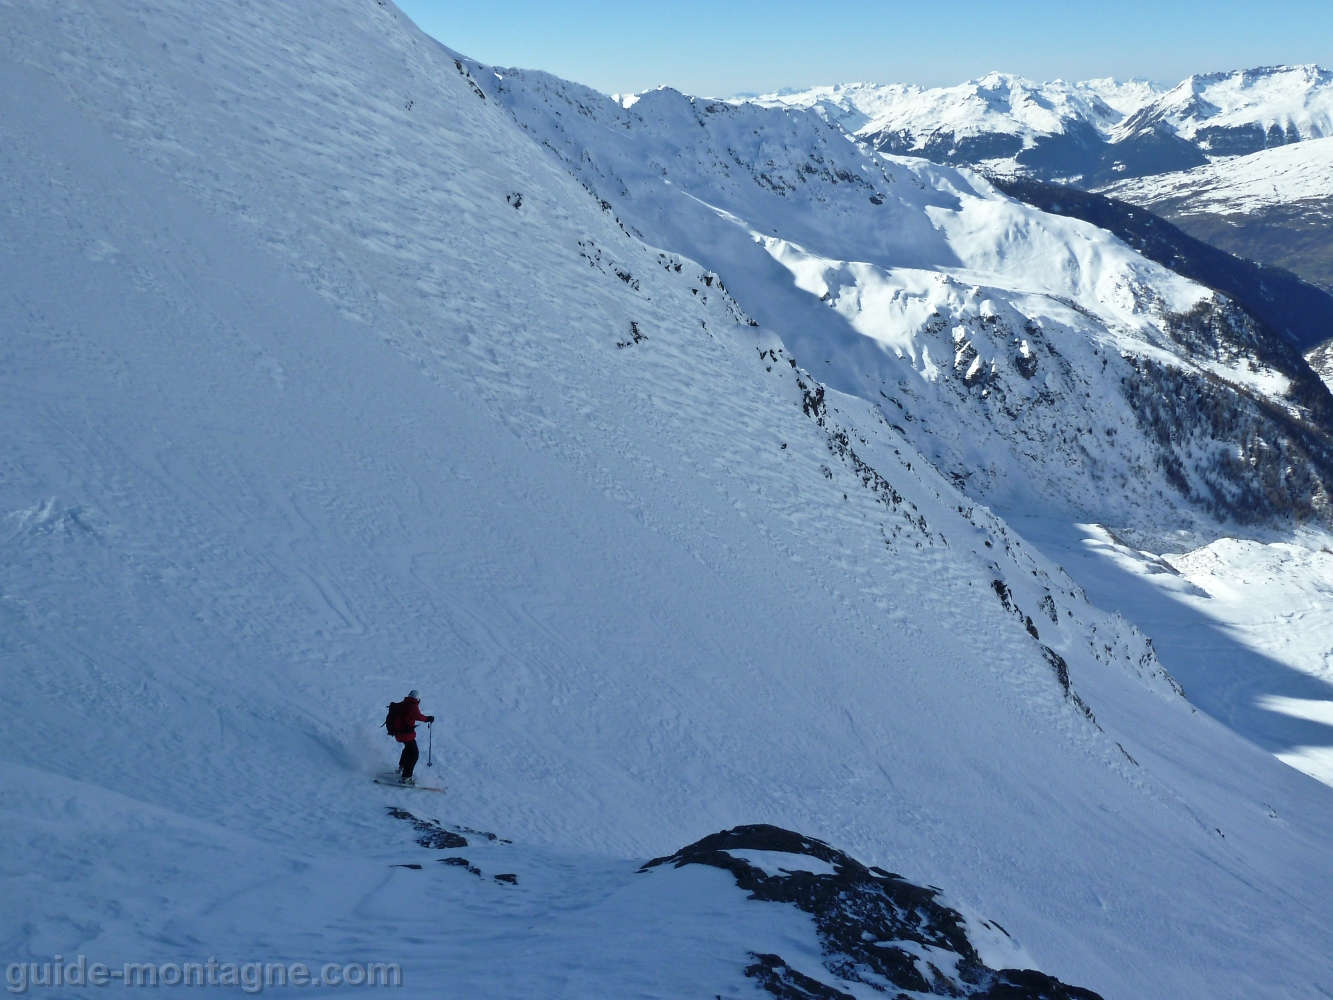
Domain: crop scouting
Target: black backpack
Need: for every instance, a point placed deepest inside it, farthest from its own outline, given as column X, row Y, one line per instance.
column 398, row 722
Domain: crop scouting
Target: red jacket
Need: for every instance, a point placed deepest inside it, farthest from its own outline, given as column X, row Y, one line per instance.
column 414, row 710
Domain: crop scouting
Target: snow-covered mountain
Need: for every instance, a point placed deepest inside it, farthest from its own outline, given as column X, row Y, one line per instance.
column 323, row 378
column 1229, row 114
column 1125, row 96
column 1082, row 133
column 994, row 117
column 1173, row 152
column 1000, row 120
column 994, row 336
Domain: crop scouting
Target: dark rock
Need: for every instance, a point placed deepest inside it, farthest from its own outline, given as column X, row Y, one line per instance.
column 783, row 981
column 461, row 863
column 635, row 335
column 1026, row 364
column 433, row 836
column 874, row 927
column 481, row 833
column 1059, row 665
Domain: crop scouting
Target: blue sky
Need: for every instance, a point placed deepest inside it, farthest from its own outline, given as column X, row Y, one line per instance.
column 719, row 49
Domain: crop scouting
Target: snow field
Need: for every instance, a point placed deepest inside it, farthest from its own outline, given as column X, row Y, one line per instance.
column 1282, row 175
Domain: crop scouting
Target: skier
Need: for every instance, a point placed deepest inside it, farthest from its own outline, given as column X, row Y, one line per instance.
column 402, row 726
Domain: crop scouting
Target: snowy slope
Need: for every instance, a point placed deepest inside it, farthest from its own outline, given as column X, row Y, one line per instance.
column 1227, row 114
column 1274, row 206
column 1025, row 354
column 1244, row 623
column 1280, row 176
column 323, row 380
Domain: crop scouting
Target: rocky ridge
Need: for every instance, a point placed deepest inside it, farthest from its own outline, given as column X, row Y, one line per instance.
column 874, row 927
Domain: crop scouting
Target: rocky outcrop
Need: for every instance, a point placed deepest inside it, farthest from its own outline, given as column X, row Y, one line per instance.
column 875, row 928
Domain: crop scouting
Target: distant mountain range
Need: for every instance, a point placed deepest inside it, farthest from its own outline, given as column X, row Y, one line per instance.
column 1086, row 133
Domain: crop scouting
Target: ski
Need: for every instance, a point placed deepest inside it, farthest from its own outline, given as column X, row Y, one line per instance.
column 394, row 783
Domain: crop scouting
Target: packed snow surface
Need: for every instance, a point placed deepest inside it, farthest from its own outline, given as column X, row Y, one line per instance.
column 322, row 380
column 1281, row 175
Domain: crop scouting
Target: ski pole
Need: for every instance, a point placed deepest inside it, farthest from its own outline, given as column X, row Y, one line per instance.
column 430, row 744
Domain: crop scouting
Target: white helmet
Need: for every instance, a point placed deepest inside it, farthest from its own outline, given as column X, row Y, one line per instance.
column 414, row 693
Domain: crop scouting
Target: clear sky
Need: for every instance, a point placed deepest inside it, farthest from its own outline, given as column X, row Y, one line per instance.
column 720, row 49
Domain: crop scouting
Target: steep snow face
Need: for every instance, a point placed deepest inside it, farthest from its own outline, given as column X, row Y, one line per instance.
column 1281, row 176
column 1021, row 352
column 1227, row 114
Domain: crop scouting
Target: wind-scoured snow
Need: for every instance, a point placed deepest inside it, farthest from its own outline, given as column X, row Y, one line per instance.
column 323, row 380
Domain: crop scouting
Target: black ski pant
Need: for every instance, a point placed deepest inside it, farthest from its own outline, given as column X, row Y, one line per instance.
column 408, row 760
